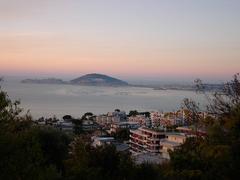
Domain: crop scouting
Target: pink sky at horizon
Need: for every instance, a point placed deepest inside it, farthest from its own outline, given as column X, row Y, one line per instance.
column 140, row 40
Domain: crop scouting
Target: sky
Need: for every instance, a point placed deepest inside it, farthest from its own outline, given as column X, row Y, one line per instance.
column 171, row 40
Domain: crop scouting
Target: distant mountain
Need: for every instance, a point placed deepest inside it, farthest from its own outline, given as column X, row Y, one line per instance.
column 98, row 80
column 44, row 81
column 104, row 80
column 86, row 80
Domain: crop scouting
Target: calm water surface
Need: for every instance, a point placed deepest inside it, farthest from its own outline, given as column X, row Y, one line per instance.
column 48, row 100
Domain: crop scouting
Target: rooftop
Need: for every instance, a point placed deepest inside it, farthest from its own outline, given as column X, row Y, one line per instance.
column 169, row 143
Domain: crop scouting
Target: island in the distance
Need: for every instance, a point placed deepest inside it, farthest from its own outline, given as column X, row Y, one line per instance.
column 44, row 81
column 98, row 80
column 86, row 80
column 95, row 79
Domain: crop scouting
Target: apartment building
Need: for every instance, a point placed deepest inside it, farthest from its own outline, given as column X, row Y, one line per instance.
column 156, row 118
column 145, row 140
column 141, row 119
column 111, row 117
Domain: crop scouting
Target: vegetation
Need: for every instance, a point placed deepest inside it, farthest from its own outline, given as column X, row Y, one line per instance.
column 28, row 151
column 122, row 134
column 135, row 113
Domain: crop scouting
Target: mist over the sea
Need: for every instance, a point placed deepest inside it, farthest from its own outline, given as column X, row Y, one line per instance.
column 48, row 100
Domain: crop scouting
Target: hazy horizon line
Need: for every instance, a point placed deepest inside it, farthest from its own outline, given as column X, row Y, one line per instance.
column 131, row 79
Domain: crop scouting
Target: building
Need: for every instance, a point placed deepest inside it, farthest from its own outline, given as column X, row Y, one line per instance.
column 89, row 125
column 166, row 119
column 171, row 142
column 111, row 117
column 145, row 140
column 65, row 126
column 123, row 125
column 121, row 115
column 101, row 141
column 188, row 130
column 166, row 122
column 106, row 120
column 141, row 119
column 156, row 118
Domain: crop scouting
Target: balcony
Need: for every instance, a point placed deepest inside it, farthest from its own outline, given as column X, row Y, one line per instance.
column 153, row 139
column 139, row 139
column 153, row 151
column 141, row 145
column 153, row 145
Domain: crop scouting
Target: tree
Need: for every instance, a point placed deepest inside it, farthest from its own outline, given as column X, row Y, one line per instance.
column 102, row 163
column 87, row 115
column 122, row 134
column 28, row 151
column 222, row 102
column 206, row 158
column 146, row 114
column 77, row 128
column 193, row 113
column 67, row 117
column 133, row 113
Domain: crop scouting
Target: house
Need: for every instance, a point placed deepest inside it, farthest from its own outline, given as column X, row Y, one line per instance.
column 171, row 142
column 123, row 125
column 102, row 141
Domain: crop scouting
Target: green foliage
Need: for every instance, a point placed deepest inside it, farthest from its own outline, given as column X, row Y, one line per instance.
column 122, row 134
column 26, row 150
column 77, row 129
column 133, row 113
column 216, row 156
column 24, row 156
column 146, row 114
column 104, row 163
column 67, row 117
column 86, row 115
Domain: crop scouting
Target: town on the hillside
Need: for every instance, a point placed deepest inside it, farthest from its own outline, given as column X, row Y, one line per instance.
column 148, row 136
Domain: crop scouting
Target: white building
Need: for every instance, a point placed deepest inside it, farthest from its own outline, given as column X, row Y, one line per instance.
column 171, row 142
column 123, row 125
column 141, row 119
column 156, row 118
column 100, row 141
column 111, row 117
column 106, row 120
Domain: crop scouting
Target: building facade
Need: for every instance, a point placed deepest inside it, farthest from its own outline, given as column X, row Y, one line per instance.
column 145, row 140
column 171, row 142
column 141, row 119
column 123, row 125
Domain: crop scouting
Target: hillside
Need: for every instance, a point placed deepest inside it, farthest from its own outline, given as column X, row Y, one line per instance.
column 98, row 80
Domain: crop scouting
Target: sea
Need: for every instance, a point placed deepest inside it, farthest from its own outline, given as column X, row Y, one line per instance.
column 48, row 100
